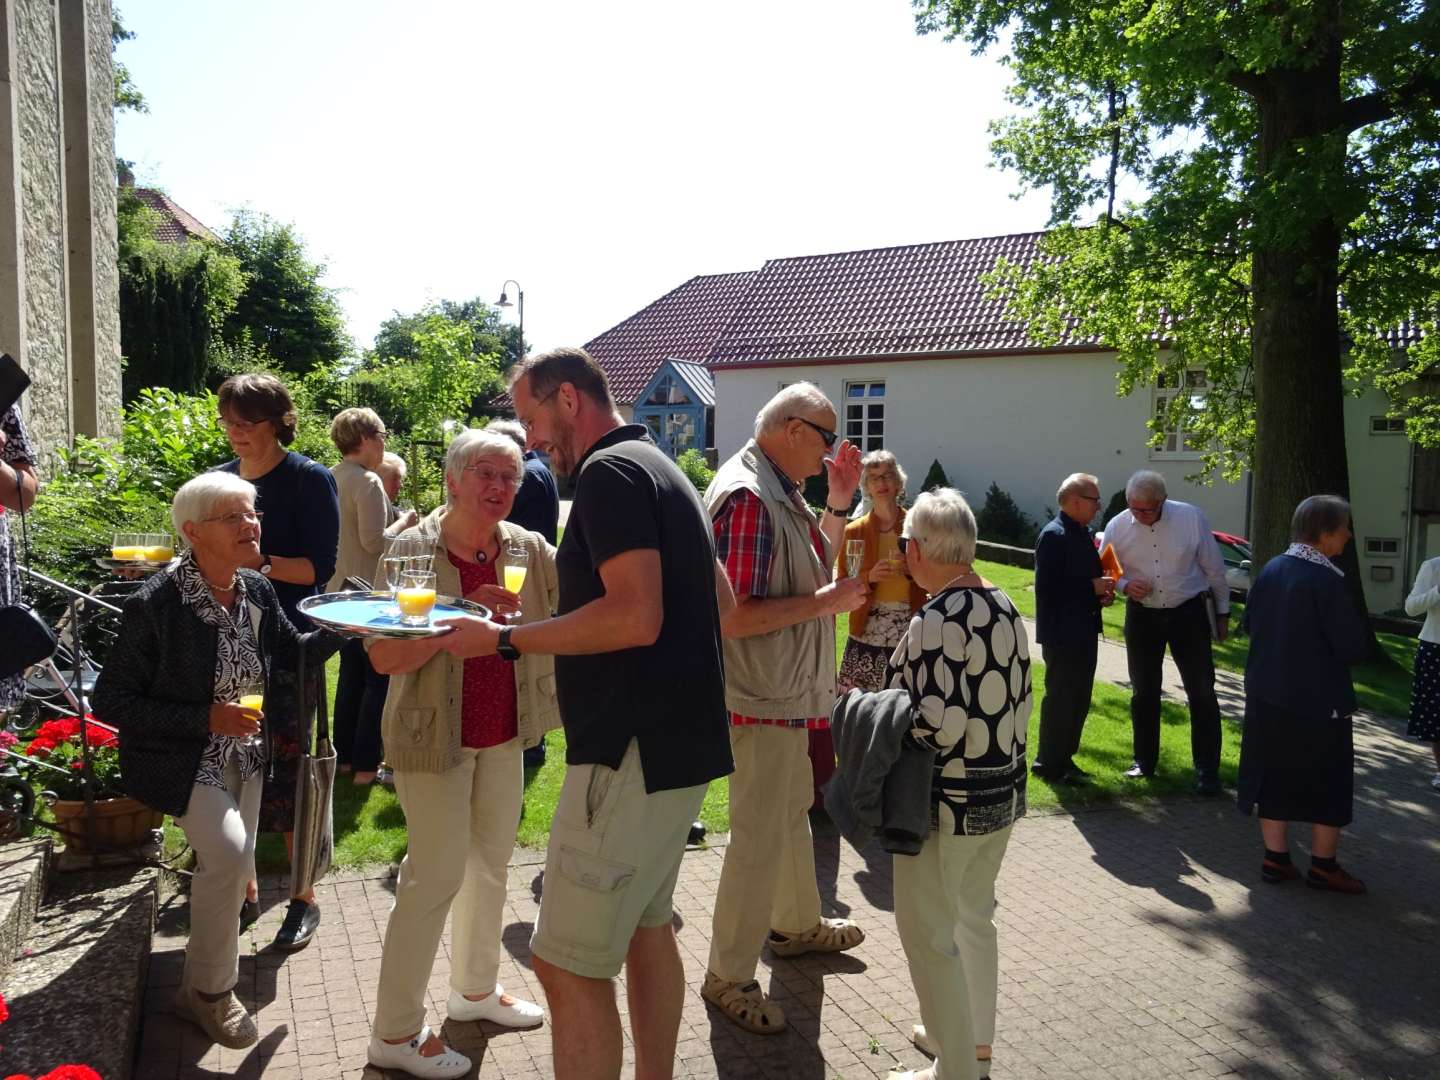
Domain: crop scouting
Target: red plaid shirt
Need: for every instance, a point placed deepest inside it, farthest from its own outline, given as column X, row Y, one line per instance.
column 744, row 543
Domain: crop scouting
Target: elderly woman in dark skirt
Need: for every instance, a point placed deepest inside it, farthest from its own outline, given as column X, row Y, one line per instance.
column 1297, row 756
column 194, row 639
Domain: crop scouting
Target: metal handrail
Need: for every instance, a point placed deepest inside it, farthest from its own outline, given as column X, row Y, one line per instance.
column 74, row 594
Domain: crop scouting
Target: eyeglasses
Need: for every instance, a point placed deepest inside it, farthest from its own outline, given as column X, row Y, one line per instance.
column 538, row 402
column 887, row 475
column 825, row 433
column 1089, row 498
column 1146, row 510
column 488, row 474
column 229, row 423
column 236, row 519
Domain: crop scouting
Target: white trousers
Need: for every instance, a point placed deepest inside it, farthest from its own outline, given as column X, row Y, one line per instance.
column 944, row 910
column 462, row 832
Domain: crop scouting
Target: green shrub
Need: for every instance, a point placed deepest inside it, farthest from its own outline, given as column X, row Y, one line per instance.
column 696, row 469
column 1001, row 521
column 936, row 477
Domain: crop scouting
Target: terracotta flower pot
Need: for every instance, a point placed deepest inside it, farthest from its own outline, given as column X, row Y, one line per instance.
column 119, row 823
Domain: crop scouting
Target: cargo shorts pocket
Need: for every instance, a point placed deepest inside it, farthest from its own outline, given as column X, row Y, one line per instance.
column 592, row 895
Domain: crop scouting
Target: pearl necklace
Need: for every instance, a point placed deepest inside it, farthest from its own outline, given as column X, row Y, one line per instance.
column 953, row 580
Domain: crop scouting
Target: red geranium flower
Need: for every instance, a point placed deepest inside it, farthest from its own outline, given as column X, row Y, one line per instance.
column 4, row 1010
column 71, row 1072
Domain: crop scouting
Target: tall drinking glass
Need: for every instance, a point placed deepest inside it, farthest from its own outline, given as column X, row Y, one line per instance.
column 252, row 696
column 517, row 565
column 416, row 597
column 854, row 555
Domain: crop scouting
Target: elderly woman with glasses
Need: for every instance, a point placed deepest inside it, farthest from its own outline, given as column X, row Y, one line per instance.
column 965, row 663
column 365, row 523
column 297, row 556
column 454, row 732
column 877, row 626
column 193, row 640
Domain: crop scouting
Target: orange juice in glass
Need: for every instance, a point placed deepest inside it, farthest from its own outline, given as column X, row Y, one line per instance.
column 159, row 548
column 416, row 597
column 517, row 565
column 251, row 696
column 128, row 547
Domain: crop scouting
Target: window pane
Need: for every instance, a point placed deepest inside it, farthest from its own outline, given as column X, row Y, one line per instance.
column 877, row 389
column 854, row 412
column 855, row 390
column 876, row 428
column 853, row 428
column 877, row 411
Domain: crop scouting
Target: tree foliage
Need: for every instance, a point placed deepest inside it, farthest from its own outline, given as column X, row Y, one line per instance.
column 174, row 299
column 489, row 335
column 127, row 95
column 1001, row 521
column 1285, row 159
column 284, row 310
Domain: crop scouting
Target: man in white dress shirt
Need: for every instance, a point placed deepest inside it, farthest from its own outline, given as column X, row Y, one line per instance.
column 1172, row 572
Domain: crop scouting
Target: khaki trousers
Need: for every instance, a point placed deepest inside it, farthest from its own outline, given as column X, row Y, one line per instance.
column 944, row 910
column 462, row 832
column 768, row 880
column 220, row 826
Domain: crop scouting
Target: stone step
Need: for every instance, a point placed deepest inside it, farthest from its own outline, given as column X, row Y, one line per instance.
column 23, row 866
column 77, row 990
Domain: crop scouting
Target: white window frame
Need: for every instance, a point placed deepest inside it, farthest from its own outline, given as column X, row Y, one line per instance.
column 1387, row 425
column 861, row 434
column 1375, row 547
column 1176, row 443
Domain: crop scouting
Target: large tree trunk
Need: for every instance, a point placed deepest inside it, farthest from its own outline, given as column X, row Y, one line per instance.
column 1299, row 397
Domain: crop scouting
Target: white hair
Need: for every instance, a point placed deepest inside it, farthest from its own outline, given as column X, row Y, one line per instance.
column 395, row 461
column 942, row 521
column 513, row 428
column 795, row 400
column 1072, row 484
column 474, row 443
column 1147, row 484
column 196, row 499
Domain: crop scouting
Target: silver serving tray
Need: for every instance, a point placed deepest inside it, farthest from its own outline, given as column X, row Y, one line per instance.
column 142, row 567
column 347, row 622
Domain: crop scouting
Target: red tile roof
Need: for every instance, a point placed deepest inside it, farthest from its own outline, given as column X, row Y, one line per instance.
column 682, row 325
column 177, row 224
column 921, row 299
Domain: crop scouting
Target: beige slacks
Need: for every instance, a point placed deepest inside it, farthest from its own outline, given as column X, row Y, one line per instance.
column 768, row 880
column 220, row 826
column 462, row 832
column 944, row 910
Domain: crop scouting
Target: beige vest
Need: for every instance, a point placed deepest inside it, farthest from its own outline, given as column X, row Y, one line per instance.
column 786, row 674
column 421, row 721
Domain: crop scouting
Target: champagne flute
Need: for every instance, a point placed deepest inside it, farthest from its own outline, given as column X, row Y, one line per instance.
column 416, row 597
column 251, row 696
column 517, row 565
column 854, row 555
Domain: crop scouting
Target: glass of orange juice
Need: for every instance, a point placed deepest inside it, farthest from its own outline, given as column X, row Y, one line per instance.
column 517, row 565
column 416, row 597
column 159, row 547
column 252, row 697
column 128, row 547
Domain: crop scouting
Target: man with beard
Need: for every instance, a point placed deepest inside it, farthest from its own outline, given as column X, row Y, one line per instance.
column 642, row 696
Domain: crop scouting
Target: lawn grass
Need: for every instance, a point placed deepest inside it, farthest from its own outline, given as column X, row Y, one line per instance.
column 370, row 826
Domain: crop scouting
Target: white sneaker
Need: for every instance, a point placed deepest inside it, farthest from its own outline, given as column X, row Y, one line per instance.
column 446, row 1065
column 519, row 1014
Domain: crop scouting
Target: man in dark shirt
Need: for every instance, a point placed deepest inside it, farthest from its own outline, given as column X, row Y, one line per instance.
column 641, row 685
column 1070, row 589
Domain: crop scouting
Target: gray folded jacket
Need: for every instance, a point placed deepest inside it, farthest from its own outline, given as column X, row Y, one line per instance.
column 882, row 781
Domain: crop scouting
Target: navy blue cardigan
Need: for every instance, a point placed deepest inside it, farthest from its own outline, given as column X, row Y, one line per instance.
column 158, row 681
column 1067, row 610
column 1305, row 632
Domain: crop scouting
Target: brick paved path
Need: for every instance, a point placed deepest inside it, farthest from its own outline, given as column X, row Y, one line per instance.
column 1134, row 944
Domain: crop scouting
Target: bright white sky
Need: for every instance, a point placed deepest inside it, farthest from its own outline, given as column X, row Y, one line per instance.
column 599, row 153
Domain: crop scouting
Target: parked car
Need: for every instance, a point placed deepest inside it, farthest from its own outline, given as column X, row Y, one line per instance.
column 1235, row 550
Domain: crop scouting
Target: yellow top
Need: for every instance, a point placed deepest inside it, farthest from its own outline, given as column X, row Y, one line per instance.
column 895, row 590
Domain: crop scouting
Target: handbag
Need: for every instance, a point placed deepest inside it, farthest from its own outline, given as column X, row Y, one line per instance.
column 27, row 639
column 314, row 846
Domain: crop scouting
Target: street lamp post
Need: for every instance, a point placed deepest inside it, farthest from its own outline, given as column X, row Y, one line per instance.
column 504, row 302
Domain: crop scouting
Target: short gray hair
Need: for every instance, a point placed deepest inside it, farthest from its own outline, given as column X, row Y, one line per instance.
column 1147, row 483
column 196, row 499
column 394, row 461
column 876, row 459
column 792, row 401
column 1072, row 484
column 512, row 428
column 474, row 443
column 943, row 522
column 1316, row 516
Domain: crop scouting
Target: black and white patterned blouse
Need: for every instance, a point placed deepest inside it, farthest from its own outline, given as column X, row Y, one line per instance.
column 17, row 452
column 965, row 661
column 237, row 663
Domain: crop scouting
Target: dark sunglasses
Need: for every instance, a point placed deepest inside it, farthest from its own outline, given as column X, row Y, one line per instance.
column 825, row 433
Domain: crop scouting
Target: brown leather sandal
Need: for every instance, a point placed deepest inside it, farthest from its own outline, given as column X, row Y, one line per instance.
column 745, row 1004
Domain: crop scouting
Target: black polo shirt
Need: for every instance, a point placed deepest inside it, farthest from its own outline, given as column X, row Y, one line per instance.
column 669, row 696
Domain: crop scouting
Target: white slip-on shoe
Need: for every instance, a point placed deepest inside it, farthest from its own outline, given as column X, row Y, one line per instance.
column 921, row 1038
column 518, row 1014
column 447, row 1065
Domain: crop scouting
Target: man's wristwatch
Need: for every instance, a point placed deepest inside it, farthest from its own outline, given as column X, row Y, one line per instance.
column 266, row 565
column 843, row 515
column 504, row 649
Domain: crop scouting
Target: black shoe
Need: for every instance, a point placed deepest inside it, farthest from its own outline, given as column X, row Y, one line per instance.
column 1207, row 784
column 249, row 914
column 1137, row 771
column 1039, row 769
column 697, row 834
column 534, row 757
column 1075, row 777
column 301, row 922
column 1075, row 770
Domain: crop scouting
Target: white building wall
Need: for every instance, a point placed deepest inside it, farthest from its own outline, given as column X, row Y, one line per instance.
column 1024, row 422
column 1379, row 500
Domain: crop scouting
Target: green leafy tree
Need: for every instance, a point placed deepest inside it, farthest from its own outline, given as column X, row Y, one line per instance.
column 1287, row 156
column 284, row 310
column 127, row 95
column 1001, row 521
column 936, row 477
column 489, row 335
